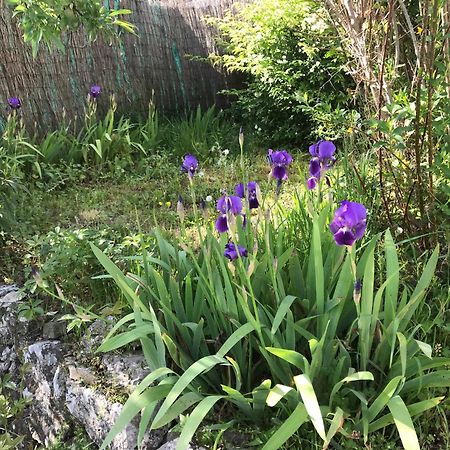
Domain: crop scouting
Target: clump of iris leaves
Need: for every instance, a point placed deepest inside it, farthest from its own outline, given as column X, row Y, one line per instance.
column 286, row 312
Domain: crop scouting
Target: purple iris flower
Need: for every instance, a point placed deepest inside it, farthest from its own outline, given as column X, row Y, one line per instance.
column 95, row 91
column 280, row 160
column 322, row 159
column 240, row 190
column 252, row 193
column 349, row 223
column 190, row 165
column 324, row 150
column 231, row 252
column 14, row 102
column 225, row 205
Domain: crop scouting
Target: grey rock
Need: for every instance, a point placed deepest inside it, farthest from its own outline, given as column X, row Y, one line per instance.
column 9, row 324
column 172, row 445
column 153, row 439
column 6, row 289
column 82, row 374
column 13, row 332
column 45, row 386
column 95, row 334
column 125, row 370
column 97, row 414
column 63, row 389
column 7, row 360
column 53, row 330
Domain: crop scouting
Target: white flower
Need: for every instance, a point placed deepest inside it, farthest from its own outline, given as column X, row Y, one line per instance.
column 201, row 173
column 209, row 198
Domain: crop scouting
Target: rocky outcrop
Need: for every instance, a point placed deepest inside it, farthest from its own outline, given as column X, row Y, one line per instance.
column 61, row 388
column 45, row 389
column 13, row 331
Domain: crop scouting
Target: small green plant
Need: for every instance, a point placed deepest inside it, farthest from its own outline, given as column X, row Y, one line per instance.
column 12, row 405
column 199, row 132
column 75, row 439
column 80, row 319
column 31, row 309
column 149, row 132
column 104, row 140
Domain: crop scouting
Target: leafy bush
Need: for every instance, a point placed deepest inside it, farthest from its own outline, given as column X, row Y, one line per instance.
column 46, row 21
column 290, row 335
column 294, row 66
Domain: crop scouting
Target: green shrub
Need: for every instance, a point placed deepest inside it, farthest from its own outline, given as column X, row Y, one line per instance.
column 296, row 82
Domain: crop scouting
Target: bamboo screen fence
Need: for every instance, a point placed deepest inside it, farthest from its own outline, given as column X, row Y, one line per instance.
column 158, row 59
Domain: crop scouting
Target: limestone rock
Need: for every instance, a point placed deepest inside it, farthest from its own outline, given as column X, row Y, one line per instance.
column 54, row 330
column 172, row 445
column 13, row 332
column 45, row 388
column 95, row 334
column 125, row 370
column 97, row 414
column 82, row 374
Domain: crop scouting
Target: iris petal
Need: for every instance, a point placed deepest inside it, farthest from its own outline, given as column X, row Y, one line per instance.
column 280, row 173
column 344, row 237
column 234, row 205
column 222, row 224
column 239, row 190
column 253, row 202
column 313, row 150
column 312, row 183
column 314, row 167
column 326, row 149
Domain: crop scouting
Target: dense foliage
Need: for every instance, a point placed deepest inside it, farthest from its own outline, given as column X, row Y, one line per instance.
column 294, row 70
column 47, row 21
column 298, row 57
column 334, row 320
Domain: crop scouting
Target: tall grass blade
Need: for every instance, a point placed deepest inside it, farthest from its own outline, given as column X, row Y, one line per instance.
column 414, row 410
column 306, row 389
column 392, row 270
column 194, row 420
column 202, row 365
column 403, row 423
column 298, row 417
